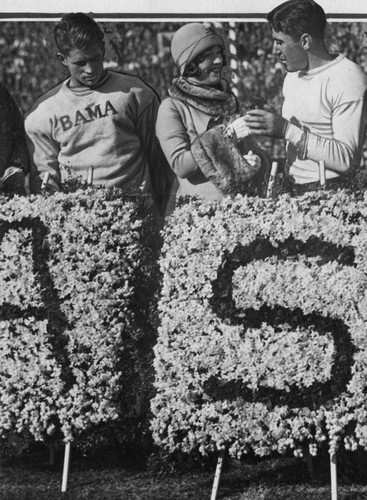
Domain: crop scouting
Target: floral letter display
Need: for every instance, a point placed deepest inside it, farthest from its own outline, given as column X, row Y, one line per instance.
column 263, row 337
column 68, row 337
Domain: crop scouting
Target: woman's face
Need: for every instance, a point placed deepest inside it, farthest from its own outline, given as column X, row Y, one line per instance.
column 209, row 64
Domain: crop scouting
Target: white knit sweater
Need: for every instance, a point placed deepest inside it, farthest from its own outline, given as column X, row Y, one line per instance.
column 329, row 102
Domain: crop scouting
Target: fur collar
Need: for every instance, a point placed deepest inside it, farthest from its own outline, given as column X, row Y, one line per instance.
column 210, row 100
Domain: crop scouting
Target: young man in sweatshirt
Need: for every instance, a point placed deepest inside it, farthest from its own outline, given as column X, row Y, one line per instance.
column 95, row 118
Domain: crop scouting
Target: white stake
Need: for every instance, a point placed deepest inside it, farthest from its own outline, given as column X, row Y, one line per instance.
column 322, row 173
column 45, row 180
column 333, row 477
column 90, row 176
column 218, row 471
column 232, row 35
column 273, row 173
column 65, row 471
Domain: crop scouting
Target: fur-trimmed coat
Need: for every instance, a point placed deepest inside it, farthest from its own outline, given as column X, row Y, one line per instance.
column 207, row 164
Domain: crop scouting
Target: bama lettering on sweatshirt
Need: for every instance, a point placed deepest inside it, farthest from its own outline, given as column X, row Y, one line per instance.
column 86, row 115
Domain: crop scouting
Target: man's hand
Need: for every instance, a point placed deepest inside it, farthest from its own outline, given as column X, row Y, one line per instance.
column 263, row 122
column 13, row 181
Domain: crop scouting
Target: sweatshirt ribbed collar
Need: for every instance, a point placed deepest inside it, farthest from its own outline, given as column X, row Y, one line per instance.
column 83, row 89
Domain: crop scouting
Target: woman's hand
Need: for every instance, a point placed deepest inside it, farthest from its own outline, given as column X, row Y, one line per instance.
column 253, row 160
column 237, row 130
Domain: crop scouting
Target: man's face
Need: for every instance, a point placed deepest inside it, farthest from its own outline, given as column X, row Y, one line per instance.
column 85, row 66
column 290, row 52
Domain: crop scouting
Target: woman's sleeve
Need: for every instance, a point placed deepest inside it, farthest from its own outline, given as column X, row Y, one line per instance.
column 175, row 141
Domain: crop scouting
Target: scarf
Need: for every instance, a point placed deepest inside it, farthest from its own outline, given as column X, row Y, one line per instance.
column 210, row 100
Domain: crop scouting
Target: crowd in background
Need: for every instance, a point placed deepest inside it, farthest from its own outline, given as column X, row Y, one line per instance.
column 28, row 66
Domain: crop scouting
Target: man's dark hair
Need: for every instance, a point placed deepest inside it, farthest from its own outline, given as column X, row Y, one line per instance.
column 296, row 17
column 77, row 30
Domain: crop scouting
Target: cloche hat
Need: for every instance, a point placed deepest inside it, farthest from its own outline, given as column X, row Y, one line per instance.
column 190, row 40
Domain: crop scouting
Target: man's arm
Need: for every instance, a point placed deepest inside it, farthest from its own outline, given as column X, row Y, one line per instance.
column 43, row 152
column 341, row 153
column 14, row 163
column 19, row 154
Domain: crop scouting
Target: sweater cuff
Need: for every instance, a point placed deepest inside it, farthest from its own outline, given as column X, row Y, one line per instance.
column 297, row 137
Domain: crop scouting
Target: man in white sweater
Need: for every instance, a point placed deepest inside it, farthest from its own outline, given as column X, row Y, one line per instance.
column 96, row 118
column 324, row 109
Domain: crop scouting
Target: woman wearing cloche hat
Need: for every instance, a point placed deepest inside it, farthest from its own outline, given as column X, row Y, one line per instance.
column 193, row 122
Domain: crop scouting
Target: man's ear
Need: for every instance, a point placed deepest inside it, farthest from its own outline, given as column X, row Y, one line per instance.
column 306, row 41
column 60, row 56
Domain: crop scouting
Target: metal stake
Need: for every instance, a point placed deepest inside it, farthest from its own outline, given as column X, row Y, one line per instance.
column 65, row 471
column 333, row 477
column 218, row 471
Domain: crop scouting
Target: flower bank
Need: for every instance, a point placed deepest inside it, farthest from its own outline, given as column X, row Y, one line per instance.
column 263, row 335
column 71, row 325
column 262, row 338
